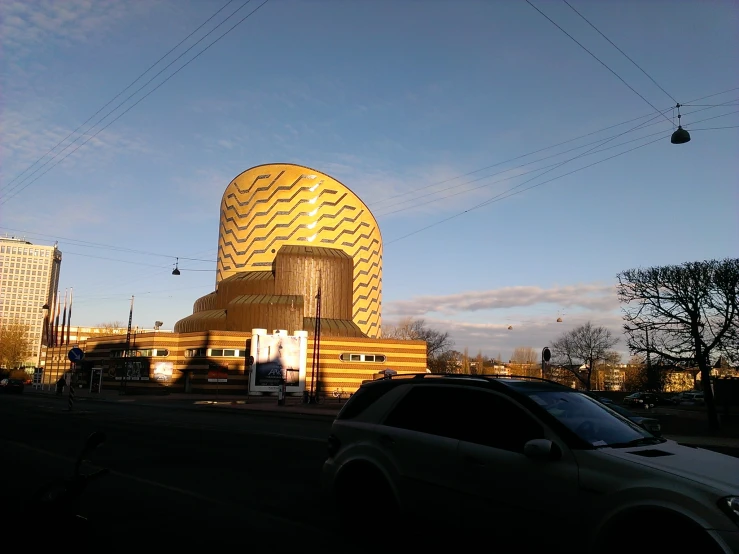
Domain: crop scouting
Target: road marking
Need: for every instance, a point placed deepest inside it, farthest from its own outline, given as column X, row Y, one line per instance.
column 192, row 494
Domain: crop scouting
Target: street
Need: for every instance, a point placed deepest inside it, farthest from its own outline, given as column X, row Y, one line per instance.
column 177, row 477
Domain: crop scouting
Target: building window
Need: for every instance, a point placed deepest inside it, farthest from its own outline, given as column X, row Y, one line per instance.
column 377, row 358
column 223, row 353
column 195, row 352
column 161, row 352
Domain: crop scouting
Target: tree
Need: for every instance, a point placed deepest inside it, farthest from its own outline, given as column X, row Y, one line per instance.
column 479, row 363
column 686, row 313
column 466, row 361
column 110, row 327
column 15, row 344
column 524, row 355
column 447, row 362
column 437, row 343
column 584, row 345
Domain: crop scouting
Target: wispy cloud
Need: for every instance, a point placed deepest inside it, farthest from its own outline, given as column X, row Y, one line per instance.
column 498, row 320
column 496, row 338
column 27, row 25
column 27, row 139
column 596, row 297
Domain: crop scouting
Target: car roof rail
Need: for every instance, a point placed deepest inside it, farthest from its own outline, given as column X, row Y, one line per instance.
column 468, row 376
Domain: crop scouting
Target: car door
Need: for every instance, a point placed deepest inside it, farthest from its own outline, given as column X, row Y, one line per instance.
column 417, row 435
column 502, row 489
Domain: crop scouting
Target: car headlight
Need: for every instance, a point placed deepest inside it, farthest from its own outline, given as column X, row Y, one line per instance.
column 730, row 506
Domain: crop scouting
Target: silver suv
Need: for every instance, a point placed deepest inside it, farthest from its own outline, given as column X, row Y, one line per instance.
column 527, row 463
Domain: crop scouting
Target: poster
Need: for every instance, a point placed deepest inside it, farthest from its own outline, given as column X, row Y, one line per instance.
column 162, row 372
column 277, row 357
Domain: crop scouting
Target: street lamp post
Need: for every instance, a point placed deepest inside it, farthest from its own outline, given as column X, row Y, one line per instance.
column 44, row 338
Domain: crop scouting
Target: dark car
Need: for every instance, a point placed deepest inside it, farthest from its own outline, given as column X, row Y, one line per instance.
column 646, row 400
column 651, row 424
column 12, row 385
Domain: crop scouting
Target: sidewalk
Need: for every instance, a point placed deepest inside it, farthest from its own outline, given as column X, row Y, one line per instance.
column 199, row 402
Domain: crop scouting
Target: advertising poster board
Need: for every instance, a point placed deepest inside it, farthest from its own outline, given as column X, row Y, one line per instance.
column 162, row 372
column 278, row 356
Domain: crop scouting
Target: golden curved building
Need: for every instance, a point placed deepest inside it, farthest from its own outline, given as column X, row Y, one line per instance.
column 284, row 231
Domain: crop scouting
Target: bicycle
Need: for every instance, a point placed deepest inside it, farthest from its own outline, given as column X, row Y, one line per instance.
column 338, row 394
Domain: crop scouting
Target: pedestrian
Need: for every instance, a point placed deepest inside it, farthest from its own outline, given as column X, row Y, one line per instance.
column 60, row 384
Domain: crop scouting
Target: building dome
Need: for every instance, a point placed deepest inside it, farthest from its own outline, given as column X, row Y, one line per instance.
column 266, row 212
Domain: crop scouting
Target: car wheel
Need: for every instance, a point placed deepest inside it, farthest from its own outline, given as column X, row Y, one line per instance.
column 364, row 498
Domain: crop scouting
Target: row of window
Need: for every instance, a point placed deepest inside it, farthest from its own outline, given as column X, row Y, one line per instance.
column 24, row 251
column 214, row 352
column 140, row 353
column 377, row 358
column 235, row 353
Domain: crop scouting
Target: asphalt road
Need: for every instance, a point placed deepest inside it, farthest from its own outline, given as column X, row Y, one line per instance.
column 205, row 479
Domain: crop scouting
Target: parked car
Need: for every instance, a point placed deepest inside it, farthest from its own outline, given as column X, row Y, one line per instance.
column 651, row 424
column 647, row 400
column 689, row 397
column 11, row 385
column 516, row 461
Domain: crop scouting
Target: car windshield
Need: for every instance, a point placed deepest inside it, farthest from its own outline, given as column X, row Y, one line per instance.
column 591, row 421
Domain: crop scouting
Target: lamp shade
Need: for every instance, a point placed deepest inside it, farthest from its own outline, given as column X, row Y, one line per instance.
column 680, row 136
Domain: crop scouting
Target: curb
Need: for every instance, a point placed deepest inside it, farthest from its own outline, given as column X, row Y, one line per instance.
column 302, row 415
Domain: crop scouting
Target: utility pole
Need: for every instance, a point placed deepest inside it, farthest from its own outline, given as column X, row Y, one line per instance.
column 124, row 378
column 314, row 399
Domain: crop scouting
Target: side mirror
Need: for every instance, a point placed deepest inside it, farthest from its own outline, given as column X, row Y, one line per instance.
column 542, row 449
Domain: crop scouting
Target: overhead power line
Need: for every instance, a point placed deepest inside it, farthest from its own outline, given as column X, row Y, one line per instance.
column 597, row 59
column 516, row 158
column 494, row 199
column 88, row 244
column 247, row 16
column 597, row 143
column 136, row 80
column 622, row 52
column 513, row 192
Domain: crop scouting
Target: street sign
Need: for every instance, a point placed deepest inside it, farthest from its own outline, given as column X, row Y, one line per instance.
column 76, row 355
column 546, row 354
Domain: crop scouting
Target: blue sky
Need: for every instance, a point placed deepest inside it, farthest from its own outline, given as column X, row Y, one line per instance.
column 400, row 100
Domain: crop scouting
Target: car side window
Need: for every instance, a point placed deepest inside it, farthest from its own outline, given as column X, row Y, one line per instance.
column 490, row 419
column 425, row 409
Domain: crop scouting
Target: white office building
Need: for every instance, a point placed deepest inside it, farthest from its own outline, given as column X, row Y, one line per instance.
column 29, row 279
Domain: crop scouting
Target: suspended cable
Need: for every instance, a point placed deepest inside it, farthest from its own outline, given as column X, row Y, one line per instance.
column 136, row 80
column 133, row 105
column 622, row 52
column 520, row 191
column 597, row 59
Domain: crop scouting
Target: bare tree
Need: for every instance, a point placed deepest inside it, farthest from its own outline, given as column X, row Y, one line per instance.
column 15, row 344
column 466, row 361
column 524, row 355
column 437, row 342
column 584, row 345
column 686, row 313
column 448, row 362
column 479, row 363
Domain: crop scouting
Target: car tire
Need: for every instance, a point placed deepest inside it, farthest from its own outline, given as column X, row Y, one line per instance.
column 364, row 498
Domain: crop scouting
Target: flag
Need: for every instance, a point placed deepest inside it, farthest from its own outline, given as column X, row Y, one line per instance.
column 55, row 330
column 69, row 318
column 64, row 319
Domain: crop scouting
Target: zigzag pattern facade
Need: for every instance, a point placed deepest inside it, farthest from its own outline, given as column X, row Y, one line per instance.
column 258, row 198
